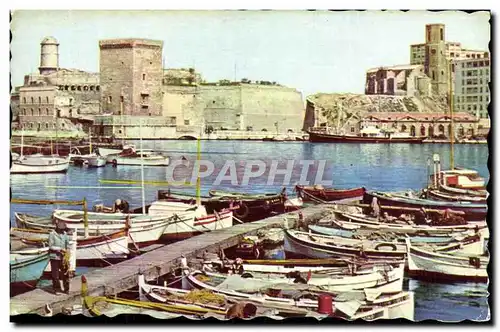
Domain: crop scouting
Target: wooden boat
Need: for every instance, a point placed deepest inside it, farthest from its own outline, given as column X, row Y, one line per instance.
column 111, row 247
column 447, row 197
column 217, row 302
column 142, row 231
column 39, row 164
column 359, row 222
column 323, row 136
column 112, row 306
column 435, row 266
column 472, row 211
column 381, row 277
column 319, row 246
column 26, row 269
column 137, row 158
column 459, row 191
column 461, row 178
column 200, row 223
column 309, row 193
column 349, row 305
column 373, row 234
column 245, row 208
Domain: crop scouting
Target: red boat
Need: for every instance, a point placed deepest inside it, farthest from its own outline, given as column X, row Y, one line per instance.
column 318, row 193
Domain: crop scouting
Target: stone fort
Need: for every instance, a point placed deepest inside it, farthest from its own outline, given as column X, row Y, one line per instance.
column 133, row 86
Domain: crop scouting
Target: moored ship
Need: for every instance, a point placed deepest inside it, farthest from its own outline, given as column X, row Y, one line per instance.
column 366, row 135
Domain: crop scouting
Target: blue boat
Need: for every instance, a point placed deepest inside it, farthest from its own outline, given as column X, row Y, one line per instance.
column 26, row 268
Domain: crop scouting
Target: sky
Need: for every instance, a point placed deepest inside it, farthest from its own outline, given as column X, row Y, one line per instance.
column 312, row 51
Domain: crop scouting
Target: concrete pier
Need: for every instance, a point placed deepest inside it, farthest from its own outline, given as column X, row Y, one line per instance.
column 122, row 276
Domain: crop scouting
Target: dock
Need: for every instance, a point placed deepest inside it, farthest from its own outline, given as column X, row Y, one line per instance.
column 111, row 280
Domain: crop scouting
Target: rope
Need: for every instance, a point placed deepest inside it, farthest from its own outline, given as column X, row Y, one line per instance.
column 238, row 220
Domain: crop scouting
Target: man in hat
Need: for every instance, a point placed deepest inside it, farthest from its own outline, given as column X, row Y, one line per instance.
column 58, row 246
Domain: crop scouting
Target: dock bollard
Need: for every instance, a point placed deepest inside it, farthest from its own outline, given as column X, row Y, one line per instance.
column 325, row 304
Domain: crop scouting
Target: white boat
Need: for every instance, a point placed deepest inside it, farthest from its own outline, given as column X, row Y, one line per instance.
column 143, row 230
column 95, row 161
column 39, row 164
column 434, row 266
column 109, row 246
column 137, row 158
column 201, row 222
column 358, row 305
column 109, row 151
column 14, row 156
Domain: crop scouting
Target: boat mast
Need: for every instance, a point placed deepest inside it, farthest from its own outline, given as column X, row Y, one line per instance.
column 198, row 182
column 452, row 133
column 90, row 140
column 142, row 169
column 22, row 141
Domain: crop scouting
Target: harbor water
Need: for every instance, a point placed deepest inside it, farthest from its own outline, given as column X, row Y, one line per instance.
column 383, row 167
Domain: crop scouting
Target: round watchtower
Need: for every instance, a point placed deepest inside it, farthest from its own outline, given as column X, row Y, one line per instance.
column 49, row 55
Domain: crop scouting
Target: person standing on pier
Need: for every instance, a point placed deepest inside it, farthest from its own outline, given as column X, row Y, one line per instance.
column 58, row 250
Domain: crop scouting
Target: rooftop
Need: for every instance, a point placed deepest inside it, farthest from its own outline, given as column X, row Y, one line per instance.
column 129, row 42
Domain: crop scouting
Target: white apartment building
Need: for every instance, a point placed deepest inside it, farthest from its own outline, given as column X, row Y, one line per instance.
column 471, row 90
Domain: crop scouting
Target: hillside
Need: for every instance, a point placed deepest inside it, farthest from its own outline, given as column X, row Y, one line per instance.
column 329, row 104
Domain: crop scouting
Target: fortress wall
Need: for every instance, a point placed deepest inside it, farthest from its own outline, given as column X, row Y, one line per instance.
column 263, row 106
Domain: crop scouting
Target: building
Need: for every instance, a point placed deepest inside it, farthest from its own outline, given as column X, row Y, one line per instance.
column 433, row 125
column 404, row 80
column 436, row 55
column 131, row 76
column 56, row 98
column 132, row 86
column 425, row 125
column 471, row 91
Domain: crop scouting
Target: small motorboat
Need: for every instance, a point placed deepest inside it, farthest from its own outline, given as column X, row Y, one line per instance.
column 137, row 158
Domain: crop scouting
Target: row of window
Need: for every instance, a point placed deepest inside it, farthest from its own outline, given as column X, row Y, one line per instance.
column 472, row 99
column 93, row 88
column 39, row 100
column 472, row 64
column 33, row 112
column 39, row 125
column 474, row 90
column 473, row 107
column 470, row 73
column 475, row 81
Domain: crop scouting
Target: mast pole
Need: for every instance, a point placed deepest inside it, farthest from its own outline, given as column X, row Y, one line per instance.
column 452, row 132
column 142, row 170
column 198, row 181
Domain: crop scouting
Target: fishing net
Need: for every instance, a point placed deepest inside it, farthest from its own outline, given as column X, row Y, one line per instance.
column 205, row 296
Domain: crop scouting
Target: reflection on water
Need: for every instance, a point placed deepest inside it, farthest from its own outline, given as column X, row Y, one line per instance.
column 375, row 166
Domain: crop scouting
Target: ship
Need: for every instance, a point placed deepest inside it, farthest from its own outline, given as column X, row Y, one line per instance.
column 366, row 135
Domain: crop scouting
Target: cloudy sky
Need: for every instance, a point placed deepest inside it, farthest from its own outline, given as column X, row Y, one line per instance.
column 311, row 51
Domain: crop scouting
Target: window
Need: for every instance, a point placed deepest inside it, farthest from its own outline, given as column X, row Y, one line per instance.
column 47, row 111
column 97, row 88
column 46, row 125
column 79, row 88
column 186, row 122
column 143, row 77
column 433, row 51
column 480, row 107
column 110, row 99
column 39, row 100
column 85, row 88
column 352, row 129
column 24, row 100
column 144, row 98
column 32, row 100
column 452, row 54
column 47, row 99
column 122, row 99
column 91, row 88
column 73, row 88
column 433, row 75
column 441, row 33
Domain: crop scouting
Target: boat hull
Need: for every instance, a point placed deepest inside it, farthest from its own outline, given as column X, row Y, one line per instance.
column 328, row 194
column 472, row 211
column 328, row 138
column 44, row 165
column 136, row 161
column 26, row 271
